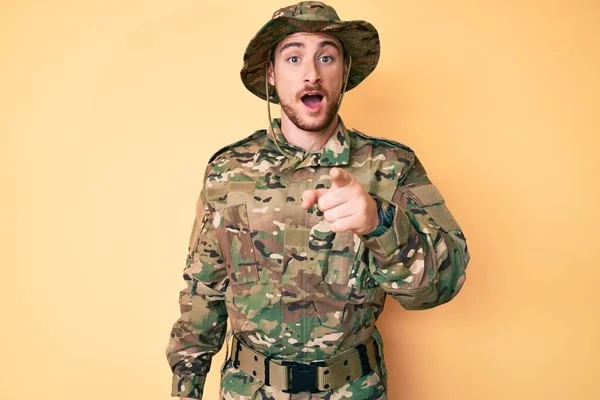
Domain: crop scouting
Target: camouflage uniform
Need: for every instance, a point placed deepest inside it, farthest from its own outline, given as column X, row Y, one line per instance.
column 291, row 287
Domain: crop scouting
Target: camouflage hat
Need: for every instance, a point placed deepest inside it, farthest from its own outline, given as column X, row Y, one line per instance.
column 359, row 38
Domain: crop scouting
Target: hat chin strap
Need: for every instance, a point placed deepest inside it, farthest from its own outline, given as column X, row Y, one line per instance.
column 270, row 126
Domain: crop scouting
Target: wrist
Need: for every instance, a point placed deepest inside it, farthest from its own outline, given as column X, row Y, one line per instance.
column 385, row 215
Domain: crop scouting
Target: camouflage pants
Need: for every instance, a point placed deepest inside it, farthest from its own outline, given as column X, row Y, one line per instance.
column 237, row 385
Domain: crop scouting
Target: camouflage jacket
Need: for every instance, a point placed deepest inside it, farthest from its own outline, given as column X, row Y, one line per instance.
column 292, row 288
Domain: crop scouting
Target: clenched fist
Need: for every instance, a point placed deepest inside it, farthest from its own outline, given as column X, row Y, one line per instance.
column 346, row 205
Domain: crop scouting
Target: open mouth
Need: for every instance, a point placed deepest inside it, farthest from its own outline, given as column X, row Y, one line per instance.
column 312, row 101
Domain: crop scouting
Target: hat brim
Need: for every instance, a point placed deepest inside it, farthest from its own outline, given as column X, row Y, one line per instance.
column 359, row 38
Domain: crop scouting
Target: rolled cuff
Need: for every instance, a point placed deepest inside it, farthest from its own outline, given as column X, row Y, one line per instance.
column 394, row 237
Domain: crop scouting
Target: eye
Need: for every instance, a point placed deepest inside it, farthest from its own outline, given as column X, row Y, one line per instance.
column 293, row 59
column 326, row 59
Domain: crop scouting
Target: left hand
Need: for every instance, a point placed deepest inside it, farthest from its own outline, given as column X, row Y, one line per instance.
column 346, row 205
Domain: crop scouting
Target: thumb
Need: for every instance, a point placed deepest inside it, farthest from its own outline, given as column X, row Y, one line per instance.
column 311, row 197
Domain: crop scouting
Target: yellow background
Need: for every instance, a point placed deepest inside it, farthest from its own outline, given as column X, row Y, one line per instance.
column 109, row 111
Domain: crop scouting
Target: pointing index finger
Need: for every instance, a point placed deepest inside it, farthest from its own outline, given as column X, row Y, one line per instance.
column 339, row 177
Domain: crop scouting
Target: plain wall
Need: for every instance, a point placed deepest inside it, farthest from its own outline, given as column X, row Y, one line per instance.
column 110, row 110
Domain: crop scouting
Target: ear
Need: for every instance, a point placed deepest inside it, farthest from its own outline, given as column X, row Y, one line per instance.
column 271, row 74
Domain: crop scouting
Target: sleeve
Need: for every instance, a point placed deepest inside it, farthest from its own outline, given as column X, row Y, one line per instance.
column 421, row 259
column 199, row 332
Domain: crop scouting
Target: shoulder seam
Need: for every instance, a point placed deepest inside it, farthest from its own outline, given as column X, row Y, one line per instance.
column 386, row 140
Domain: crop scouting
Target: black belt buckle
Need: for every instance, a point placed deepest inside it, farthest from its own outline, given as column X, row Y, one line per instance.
column 302, row 377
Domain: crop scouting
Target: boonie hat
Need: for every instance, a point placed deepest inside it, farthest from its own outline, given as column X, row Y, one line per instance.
column 359, row 38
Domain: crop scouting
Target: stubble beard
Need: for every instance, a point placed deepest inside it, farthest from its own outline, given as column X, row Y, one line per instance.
column 294, row 116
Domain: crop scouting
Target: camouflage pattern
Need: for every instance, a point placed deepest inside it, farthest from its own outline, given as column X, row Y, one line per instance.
column 291, row 287
column 359, row 38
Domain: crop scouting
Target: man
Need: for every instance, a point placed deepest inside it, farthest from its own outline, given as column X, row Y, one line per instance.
column 303, row 229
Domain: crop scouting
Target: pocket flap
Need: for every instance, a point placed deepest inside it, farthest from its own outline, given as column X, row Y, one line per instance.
column 218, row 190
column 242, row 186
column 425, row 195
column 430, row 198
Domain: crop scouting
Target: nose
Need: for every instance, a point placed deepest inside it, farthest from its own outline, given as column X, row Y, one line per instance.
column 311, row 73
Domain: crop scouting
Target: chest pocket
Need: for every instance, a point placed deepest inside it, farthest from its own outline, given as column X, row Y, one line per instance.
column 231, row 201
column 342, row 262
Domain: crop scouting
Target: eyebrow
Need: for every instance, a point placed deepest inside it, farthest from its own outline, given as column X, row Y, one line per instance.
column 301, row 45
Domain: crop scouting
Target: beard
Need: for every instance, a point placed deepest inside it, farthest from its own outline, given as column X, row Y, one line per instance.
column 309, row 126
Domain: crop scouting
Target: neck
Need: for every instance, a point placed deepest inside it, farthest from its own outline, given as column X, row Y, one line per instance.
column 304, row 139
